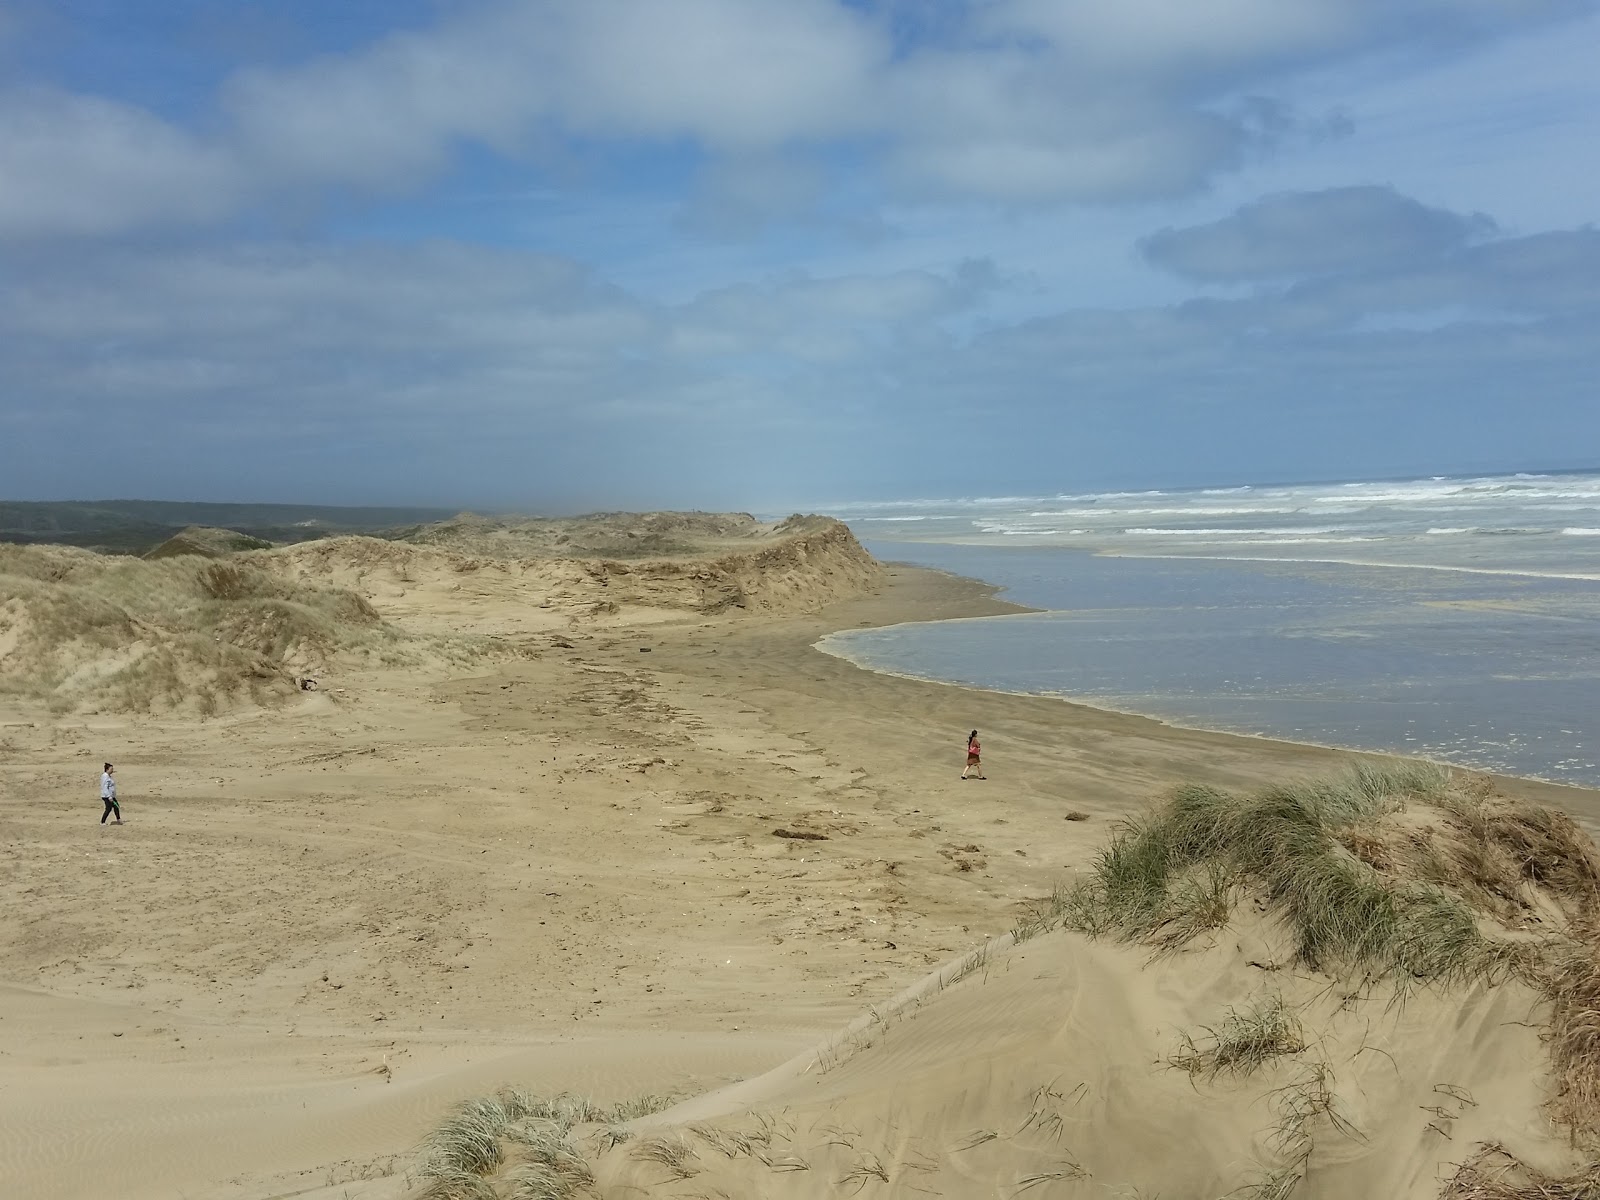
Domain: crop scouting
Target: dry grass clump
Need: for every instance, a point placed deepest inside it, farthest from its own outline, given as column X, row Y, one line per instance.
column 1495, row 1174
column 118, row 633
column 1495, row 853
column 1246, row 1039
column 1572, row 982
column 673, row 1152
column 514, row 1146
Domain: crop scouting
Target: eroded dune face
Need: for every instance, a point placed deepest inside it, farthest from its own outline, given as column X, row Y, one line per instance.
column 1324, row 991
column 82, row 631
column 470, row 567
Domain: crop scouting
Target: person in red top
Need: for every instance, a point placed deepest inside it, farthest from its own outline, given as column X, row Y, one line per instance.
column 973, row 759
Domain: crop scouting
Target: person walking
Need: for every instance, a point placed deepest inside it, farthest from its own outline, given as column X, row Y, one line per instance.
column 974, row 756
column 108, row 795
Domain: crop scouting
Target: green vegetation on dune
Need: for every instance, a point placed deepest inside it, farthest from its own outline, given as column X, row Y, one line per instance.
column 126, row 634
column 137, row 526
column 525, row 1141
column 1402, row 873
column 207, row 543
column 1169, row 876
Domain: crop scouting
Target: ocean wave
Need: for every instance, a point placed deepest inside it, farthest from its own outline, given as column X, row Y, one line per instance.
column 1184, row 511
column 1016, row 530
column 1495, row 501
column 1490, row 530
column 1224, row 534
column 1581, row 531
column 1317, row 541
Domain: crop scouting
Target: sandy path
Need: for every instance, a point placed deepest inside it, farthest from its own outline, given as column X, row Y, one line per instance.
column 561, row 874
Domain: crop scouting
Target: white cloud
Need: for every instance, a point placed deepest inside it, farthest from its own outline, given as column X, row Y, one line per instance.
column 431, row 346
column 81, row 165
column 1015, row 101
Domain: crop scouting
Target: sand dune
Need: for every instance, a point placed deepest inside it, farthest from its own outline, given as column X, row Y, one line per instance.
column 1217, row 1054
column 80, row 630
column 331, row 917
column 1046, row 1071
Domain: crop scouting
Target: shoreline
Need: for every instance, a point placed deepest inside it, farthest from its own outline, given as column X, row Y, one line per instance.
column 1168, row 722
column 1011, row 609
column 1585, row 800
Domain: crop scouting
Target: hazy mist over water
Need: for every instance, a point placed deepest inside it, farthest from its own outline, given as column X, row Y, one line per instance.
column 1455, row 618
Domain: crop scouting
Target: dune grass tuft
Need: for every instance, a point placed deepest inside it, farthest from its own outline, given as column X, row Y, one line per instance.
column 673, row 1152
column 1173, row 874
column 517, row 1146
column 1495, row 1174
column 1245, row 1040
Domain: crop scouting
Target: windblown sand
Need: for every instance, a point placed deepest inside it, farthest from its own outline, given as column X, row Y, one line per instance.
column 325, row 923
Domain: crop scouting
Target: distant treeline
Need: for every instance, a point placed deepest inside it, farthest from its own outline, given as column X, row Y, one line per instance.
column 136, row 526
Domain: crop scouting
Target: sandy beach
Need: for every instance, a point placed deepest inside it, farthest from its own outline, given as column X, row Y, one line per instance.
column 653, row 852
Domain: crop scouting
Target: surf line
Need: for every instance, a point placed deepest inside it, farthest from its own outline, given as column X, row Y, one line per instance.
column 1352, row 562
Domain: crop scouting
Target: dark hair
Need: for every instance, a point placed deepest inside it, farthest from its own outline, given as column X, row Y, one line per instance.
column 108, row 766
column 972, row 735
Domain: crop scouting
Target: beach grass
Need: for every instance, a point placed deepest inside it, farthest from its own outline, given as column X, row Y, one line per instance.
column 1493, row 1173
column 514, row 1145
column 1169, row 876
column 124, row 634
column 1243, row 1041
column 1402, row 873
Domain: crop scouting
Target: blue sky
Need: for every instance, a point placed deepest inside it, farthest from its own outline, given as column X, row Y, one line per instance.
column 561, row 254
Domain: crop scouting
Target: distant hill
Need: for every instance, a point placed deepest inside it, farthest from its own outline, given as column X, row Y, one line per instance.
column 198, row 540
column 138, row 526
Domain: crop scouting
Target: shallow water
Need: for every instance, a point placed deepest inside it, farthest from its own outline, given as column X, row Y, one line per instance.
column 1492, row 671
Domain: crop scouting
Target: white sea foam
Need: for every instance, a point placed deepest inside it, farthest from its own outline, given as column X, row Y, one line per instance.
column 1374, row 562
column 1315, row 541
column 1505, row 519
column 1172, row 511
column 1225, row 534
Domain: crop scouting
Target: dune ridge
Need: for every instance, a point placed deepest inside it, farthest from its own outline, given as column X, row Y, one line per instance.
column 209, row 622
column 712, row 564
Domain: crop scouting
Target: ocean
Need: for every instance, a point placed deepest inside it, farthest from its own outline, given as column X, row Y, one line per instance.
column 1456, row 618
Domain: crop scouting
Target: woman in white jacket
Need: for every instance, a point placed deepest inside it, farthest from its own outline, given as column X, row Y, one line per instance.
column 108, row 795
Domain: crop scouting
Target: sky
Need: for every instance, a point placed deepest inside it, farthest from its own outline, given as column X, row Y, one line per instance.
column 553, row 255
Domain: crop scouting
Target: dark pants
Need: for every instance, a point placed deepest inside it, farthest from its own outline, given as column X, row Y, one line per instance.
column 111, row 807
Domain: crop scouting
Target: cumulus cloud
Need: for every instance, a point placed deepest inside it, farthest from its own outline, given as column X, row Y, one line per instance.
column 1012, row 100
column 81, row 165
column 1369, row 257
column 1544, row 275
column 1346, row 229
column 464, row 361
column 271, row 340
